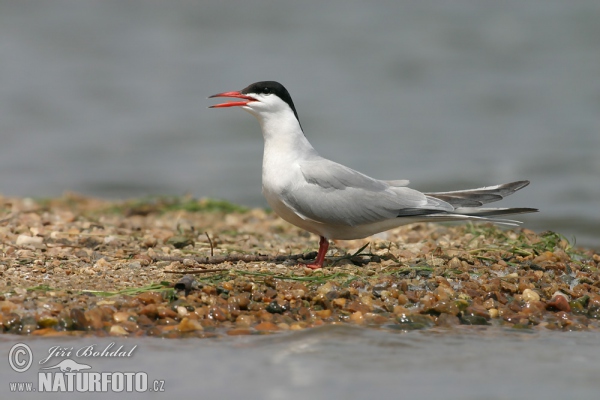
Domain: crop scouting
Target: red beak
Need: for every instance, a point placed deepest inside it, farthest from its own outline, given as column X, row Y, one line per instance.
column 232, row 103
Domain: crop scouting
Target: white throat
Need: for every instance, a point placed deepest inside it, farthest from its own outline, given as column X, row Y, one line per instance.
column 282, row 134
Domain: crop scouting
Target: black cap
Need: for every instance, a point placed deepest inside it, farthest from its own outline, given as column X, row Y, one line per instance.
column 272, row 87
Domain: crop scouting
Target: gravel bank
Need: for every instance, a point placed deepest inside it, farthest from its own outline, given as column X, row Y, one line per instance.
column 82, row 266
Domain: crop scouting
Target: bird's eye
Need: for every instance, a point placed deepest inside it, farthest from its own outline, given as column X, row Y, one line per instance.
column 266, row 90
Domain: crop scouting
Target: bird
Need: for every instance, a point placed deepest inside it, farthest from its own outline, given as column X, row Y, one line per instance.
column 336, row 202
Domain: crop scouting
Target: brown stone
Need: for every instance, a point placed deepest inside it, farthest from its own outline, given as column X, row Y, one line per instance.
column 558, row 303
column 217, row 314
column 323, row 314
column 150, row 298
column 239, row 331
column 189, row 325
column 266, row 326
column 150, row 311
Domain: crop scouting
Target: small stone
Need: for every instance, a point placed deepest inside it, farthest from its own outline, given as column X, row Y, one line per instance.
column 266, row 326
column 143, row 320
column 473, row 320
column 243, row 300
column 217, row 314
column 244, row 320
column 454, row 263
column 189, row 325
column 129, row 326
column 47, row 321
column 164, row 312
column 374, row 319
column 34, row 241
column 402, row 299
column 339, row 302
column 150, row 298
column 150, row 311
column 239, row 331
column 355, row 306
column 326, row 288
column 508, row 287
column 447, row 320
column 117, row 330
column 323, row 314
column 411, row 322
column 94, row 317
column 121, row 316
column 182, row 311
column 357, row 317
column 275, row 308
column 529, row 296
column 7, row 306
column 559, row 303
column 79, row 320
column 594, row 306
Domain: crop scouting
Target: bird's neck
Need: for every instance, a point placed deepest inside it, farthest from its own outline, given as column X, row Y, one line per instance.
column 283, row 135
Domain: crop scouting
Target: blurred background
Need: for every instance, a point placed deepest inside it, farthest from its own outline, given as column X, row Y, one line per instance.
column 109, row 98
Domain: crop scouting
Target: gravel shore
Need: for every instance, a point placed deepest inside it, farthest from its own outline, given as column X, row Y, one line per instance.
column 180, row 267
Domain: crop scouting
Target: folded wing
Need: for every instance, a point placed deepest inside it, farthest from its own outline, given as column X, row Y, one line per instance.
column 334, row 194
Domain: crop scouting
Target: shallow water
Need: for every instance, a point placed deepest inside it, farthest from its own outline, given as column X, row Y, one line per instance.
column 109, row 98
column 348, row 362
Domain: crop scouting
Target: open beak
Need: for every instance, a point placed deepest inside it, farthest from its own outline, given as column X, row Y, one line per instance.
column 232, row 103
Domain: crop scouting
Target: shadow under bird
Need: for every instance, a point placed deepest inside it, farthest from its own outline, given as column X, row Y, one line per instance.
column 337, row 202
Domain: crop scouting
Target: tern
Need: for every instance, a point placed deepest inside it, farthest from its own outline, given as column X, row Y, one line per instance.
column 337, row 202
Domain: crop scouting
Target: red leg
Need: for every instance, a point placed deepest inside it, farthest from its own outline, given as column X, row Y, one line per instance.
column 323, row 246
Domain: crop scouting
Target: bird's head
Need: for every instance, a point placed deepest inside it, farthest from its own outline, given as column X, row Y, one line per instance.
column 261, row 99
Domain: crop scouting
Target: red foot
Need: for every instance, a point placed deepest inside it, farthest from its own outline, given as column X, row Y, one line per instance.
column 313, row 266
column 323, row 246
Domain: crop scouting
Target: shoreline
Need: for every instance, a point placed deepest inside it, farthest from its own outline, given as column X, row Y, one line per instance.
column 82, row 266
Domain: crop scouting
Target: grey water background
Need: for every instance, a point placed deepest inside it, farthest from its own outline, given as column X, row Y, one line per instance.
column 336, row 362
column 108, row 98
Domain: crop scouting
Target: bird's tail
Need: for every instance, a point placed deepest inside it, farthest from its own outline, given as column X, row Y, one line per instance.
column 466, row 204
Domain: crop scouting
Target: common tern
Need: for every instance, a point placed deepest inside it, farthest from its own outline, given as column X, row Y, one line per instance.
column 337, row 202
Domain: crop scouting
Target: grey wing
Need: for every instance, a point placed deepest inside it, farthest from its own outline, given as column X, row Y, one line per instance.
column 334, row 194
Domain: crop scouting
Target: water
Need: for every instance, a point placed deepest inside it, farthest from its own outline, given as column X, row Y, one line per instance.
column 108, row 98
column 346, row 362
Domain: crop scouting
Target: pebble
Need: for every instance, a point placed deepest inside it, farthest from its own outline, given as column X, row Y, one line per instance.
column 266, row 326
column 244, row 320
column 559, row 303
column 121, row 316
column 432, row 277
column 189, row 325
column 357, row 317
column 529, row 295
column 117, row 330
column 239, row 331
column 182, row 311
column 217, row 314
column 25, row 240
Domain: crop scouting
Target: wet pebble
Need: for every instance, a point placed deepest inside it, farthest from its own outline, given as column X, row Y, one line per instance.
column 117, row 330
column 188, row 325
column 559, row 303
column 530, row 295
column 266, row 327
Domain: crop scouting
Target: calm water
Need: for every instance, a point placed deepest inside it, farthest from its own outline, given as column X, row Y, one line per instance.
column 108, row 98
column 345, row 362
